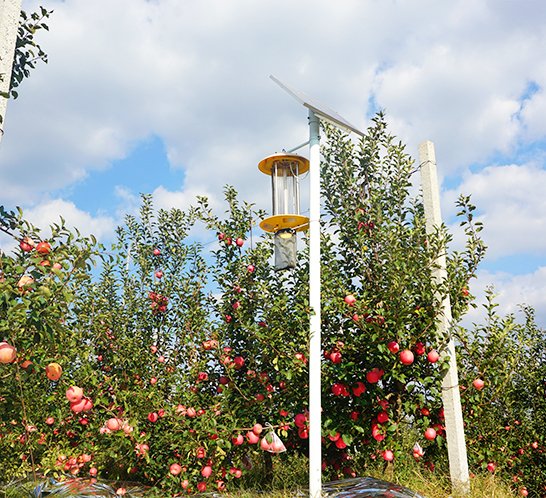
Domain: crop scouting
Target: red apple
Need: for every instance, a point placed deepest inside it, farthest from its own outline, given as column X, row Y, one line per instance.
column 406, row 357
column 206, row 471
column 157, row 252
column 113, row 424
column 7, row 353
column 74, row 394
column 93, row 471
column 335, row 357
column 238, row 440
column 350, row 299
column 257, row 429
column 491, row 467
column 393, row 347
column 239, row 242
column 152, row 417
column 201, row 487
column 252, row 437
column 382, row 417
column 372, row 377
column 50, row 421
column 433, row 356
column 250, row 268
column 153, row 380
column 27, row 244
column 43, row 248
column 388, row 455
column 239, row 362
column 153, row 349
column 478, row 384
column 430, row 433
column 419, row 348
column 175, row 469
column 359, row 389
column 159, row 274
column 221, row 236
column 264, row 444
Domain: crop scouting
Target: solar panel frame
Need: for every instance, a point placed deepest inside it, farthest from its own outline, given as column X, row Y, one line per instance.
column 321, row 110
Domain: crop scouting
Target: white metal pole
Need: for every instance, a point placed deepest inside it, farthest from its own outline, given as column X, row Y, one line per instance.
column 315, row 453
column 456, row 446
column 9, row 25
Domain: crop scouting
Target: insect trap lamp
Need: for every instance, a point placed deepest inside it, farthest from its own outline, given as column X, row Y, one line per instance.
column 285, row 170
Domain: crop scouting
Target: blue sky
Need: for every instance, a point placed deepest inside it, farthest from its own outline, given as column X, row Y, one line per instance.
column 173, row 98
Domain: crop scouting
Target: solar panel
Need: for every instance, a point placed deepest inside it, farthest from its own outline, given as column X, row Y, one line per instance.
column 320, row 109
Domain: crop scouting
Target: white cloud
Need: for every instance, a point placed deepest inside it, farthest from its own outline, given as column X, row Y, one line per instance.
column 511, row 204
column 512, row 291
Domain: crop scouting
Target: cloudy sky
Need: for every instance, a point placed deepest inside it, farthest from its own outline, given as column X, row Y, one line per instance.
column 173, row 97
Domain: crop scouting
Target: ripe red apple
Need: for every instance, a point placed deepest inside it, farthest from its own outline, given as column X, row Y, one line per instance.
column 264, row 444
column 250, row 268
column 388, row 455
column 419, row 348
column 25, row 280
column 239, row 362
column 340, row 444
column 406, row 357
column 159, row 274
column 191, row 412
column 478, row 384
column 152, row 417
column 523, row 492
column 50, row 421
column 433, row 356
column 206, row 471
column 491, row 467
column 221, row 236
column 161, row 359
column 300, row 420
column 153, row 349
column 430, row 433
column 93, row 471
column 175, row 469
column 382, row 417
column 372, row 377
column 114, row 424
column 157, row 252
column 43, row 248
column 359, row 389
column 201, row 487
column 239, row 242
column 7, row 353
column 27, row 244
column 252, row 437
column 335, row 357
column 153, row 380
column 393, row 347
column 74, row 394
column 238, row 440
column 350, row 299
column 257, row 429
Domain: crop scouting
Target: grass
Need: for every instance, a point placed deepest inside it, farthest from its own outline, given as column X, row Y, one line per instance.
column 290, row 478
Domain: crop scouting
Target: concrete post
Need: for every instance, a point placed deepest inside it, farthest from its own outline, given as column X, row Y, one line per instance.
column 10, row 10
column 456, row 445
column 315, row 391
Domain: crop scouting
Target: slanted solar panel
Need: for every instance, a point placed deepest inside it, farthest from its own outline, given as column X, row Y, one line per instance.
column 320, row 109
